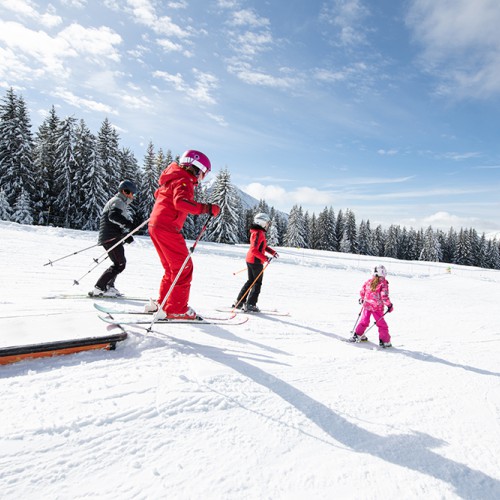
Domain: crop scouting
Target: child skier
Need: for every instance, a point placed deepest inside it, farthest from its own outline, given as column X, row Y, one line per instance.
column 247, row 299
column 374, row 295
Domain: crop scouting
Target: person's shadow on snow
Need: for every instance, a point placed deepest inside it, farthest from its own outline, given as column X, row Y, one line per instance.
column 413, row 451
column 420, row 356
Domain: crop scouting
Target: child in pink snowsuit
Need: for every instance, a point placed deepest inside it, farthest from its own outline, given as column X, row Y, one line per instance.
column 374, row 296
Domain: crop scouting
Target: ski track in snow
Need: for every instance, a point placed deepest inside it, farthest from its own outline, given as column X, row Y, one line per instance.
column 276, row 408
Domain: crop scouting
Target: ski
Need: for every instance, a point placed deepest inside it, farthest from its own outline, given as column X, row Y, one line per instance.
column 368, row 344
column 135, row 311
column 147, row 321
column 264, row 312
column 86, row 296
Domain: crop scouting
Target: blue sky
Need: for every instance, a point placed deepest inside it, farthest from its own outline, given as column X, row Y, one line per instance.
column 388, row 108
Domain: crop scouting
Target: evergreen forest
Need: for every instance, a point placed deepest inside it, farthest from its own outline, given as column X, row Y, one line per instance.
column 63, row 174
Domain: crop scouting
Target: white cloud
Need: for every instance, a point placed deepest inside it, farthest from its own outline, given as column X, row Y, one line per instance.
column 277, row 195
column 248, row 17
column 200, row 91
column 346, row 17
column 92, row 43
column 460, row 44
column 387, row 152
column 168, row 45
column 37, row 53
column 144, row 12
column 445, row 219
column 83, row 103
column 247, row 74
column 27, row 9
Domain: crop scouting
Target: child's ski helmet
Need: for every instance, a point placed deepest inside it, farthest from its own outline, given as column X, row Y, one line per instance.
column 262, row 220
column 196, row 159
column 380, row 271
column 127, row 186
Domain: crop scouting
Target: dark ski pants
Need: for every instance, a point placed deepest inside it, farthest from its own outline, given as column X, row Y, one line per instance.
column 253, row 296
column 117, row 256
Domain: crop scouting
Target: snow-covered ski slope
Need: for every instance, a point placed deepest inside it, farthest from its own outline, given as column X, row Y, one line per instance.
column 277, row 408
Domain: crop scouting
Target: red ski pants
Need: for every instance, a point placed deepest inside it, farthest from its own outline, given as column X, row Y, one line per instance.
column 173, row 252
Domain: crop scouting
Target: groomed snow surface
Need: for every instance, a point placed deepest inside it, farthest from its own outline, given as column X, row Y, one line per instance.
column 277, row 408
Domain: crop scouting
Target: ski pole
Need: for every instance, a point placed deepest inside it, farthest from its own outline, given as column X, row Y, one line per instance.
column 375, row 322
column 190, row 253
column 240, row 271
column 98, row 261
column 74, row 253
column 251, row 286
column 77, row 282
column 357, row 319
column 105, row 254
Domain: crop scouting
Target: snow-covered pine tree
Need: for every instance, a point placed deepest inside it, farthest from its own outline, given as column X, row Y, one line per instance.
column 22, row 211
column 406, row 250
column 326, row 229
column 149, row 184
column 492, row 254
column 65, row 168
column 5, row 208
column 350, row 231
column 44, row 156
column 130, row 171
column 392, row 241
column 378, row 241
column 295, row 233
column 431, row 251
column 108, row 155
column 365, row 238
column 161, row 162
column 448, row 245
column 272, row 235
column 224, row 228
column 463, row 250
column 16, row 150
column 314, row 233
column 339, row 229
column 89, row 181
column 280, row 224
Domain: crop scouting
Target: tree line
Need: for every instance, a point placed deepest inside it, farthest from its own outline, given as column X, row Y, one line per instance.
column 63, row 174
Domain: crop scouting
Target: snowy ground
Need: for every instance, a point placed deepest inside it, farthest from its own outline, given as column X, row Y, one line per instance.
column 277, row 408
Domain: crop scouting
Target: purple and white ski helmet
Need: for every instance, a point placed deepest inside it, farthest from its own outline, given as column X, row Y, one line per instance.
column 196, row 159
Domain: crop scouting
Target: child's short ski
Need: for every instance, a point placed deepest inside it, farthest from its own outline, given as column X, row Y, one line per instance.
column 86, row 296
column 367, row 343
column 124, row 319
column 268, row 312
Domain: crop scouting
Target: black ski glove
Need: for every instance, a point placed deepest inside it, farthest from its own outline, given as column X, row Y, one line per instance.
column 390, row 307
column 130, row 239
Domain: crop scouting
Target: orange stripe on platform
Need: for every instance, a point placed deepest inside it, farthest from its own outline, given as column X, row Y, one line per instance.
column 5, row 360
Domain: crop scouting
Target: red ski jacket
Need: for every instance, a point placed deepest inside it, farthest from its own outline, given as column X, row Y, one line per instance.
column 175, row 199
column 258, row 245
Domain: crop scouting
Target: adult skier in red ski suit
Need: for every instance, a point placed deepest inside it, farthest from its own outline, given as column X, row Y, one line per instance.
column 174, row 201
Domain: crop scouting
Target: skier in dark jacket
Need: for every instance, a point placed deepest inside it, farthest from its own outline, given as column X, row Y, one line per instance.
column 255, row 263
column 115, row 223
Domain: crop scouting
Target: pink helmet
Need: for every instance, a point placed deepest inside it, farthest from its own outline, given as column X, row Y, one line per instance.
column 196, row 159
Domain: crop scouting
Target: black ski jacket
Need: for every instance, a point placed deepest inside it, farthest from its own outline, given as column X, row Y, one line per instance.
column 116, row 220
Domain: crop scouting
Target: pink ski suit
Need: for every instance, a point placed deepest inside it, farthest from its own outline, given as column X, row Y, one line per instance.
column 373, row 303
